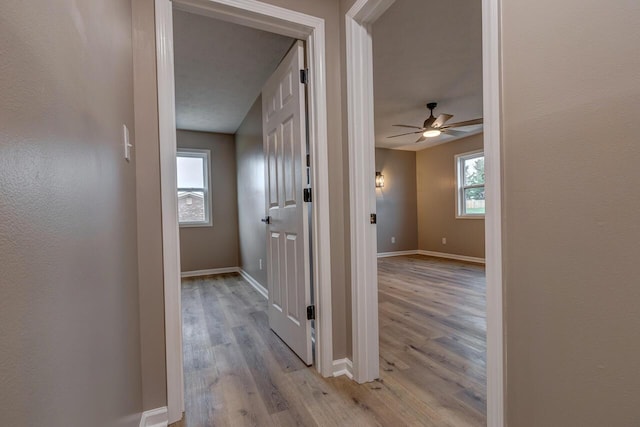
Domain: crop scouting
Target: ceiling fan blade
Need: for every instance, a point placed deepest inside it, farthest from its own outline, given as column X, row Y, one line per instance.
column 404, row 134
column 408, row 126
column 460, row 124
column 441, row 120
column 454, row 132
column 422, row 138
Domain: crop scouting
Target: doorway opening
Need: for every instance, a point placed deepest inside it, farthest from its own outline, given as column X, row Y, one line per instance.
column 360, row 22
column 288, row 24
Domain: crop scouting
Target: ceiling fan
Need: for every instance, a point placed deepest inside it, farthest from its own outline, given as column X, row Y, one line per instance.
column 433, row 126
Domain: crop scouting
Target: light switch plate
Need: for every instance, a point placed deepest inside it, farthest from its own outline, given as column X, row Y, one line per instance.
column 127, row 144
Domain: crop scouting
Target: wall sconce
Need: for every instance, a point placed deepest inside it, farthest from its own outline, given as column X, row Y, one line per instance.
column 379, row 180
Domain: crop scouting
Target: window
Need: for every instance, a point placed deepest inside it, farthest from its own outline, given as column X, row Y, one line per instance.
column 194, row 200
column 470, row 185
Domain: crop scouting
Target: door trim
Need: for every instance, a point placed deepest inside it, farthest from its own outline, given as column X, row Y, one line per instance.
column 358, row 21
column 278, row 20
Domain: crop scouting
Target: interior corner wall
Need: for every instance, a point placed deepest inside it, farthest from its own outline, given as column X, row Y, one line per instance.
column 215, row 246
column 436, row 177
column 149, row 209
column 396, row 202
column 69, row 314
column 251, row 195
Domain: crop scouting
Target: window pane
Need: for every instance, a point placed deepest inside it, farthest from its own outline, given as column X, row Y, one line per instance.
column 474, row 201
column 190, row 172
column 474, row 171
column 191, row 206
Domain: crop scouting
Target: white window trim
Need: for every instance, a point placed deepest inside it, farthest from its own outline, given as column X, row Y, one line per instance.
column 459, row 158
column 208, row 205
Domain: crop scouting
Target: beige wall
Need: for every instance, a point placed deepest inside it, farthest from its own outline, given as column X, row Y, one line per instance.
column 436, row 174
column 571, row 95
column 204, row 248
column 251, row 194
column 69, row 317
column 147, row 152
column 396, row 202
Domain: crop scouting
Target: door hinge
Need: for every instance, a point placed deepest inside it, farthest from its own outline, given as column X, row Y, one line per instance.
column 304, row 76
column 311, row 312
column 308, row 160
column 307, row 195
column 373, row 219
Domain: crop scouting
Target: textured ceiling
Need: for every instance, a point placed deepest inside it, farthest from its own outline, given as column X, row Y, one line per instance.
column 423, row 51
column 220, row 69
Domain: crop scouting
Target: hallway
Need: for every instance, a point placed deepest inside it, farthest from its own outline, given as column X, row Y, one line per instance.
column 237, row 372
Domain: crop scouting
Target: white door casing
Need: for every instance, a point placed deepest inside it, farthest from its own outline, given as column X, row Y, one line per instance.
column 284, row 141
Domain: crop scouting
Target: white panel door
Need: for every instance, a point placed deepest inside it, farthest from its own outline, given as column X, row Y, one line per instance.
column 284, row 139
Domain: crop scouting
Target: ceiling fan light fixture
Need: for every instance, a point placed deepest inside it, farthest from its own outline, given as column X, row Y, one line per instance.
column 431, row 133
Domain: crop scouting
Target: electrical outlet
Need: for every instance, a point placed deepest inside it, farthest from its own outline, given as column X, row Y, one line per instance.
column 444, row 240
column 393, row 240
column 260, row 263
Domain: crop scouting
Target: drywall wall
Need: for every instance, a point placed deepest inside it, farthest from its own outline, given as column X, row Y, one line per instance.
column 396, row 202
column 69, row 317
column 251, row 194
column 149, row 209
column 571, row 92
column 436, row 174
column 204, row 248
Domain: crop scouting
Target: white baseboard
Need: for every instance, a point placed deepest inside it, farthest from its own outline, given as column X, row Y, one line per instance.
column 197, row 273
column 452, row 256
column 253, row 282
column 397, row 253
column 343, row 367
column 155, row 418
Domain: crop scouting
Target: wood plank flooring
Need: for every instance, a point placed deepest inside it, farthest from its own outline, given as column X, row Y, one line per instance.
column 432, row 355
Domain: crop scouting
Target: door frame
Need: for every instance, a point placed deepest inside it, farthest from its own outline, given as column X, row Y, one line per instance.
column 278, row 20
column 359, row 57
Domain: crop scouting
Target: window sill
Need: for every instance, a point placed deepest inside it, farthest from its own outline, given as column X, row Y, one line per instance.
column 196, row 225
column 470, row 216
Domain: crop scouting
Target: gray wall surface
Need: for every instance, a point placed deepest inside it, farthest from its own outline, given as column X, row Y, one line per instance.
column 69, row 317
column 203, row 248
column 436, row 171
column 396, row 202
column 251, row 194
column 149, row 209
column 571, row 96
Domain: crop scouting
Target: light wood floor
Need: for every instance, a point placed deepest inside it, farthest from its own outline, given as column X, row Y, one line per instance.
column 432, row 348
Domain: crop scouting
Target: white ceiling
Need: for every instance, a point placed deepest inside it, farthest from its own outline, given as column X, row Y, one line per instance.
column 423, row 51
column 220, row 69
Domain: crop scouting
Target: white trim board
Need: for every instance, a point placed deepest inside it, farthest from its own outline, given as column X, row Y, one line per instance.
column 452, row 256
column 343, row 367
column 253, row 282
column 359, row 60
column 433, row 254
column 397, row 253
column 155, row 418
column 267, row 17
column 196, row 273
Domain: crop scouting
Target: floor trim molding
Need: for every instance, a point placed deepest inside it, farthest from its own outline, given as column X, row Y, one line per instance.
column 253, row 282
column 155, row 418
column 452, row 256
column 343, row 367
column 397, row 253
column 210, row 271
column 434, row 254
